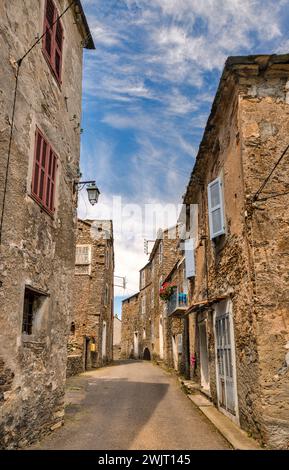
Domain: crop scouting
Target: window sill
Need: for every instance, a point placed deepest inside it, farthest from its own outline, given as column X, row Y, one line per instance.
column 42, row 207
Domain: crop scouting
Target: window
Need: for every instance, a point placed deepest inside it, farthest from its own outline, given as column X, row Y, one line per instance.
column 44, row 173
column 190, row 258
column 53, row 39
column 144, row 333
column 142, row 279
column 83, row 259
column 216, row 208
column 32, row 303
column 152, row 297
column 143, row 305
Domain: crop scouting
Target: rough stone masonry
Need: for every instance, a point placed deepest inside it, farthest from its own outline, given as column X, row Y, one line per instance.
column 38, row 232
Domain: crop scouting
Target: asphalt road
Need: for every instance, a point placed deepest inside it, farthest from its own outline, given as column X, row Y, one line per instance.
column 131, row 405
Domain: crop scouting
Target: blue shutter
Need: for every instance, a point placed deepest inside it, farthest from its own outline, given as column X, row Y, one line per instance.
column 190, row 258
column 216, row 208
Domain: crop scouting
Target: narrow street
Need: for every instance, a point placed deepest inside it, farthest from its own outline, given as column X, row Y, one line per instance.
column 131, row 405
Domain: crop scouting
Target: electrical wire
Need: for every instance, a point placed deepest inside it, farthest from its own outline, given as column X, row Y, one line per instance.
column 18, row 64
column 9, row 151
column 255, row 197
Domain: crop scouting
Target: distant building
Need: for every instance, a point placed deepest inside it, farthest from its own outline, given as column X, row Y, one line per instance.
column 116, row 338
column 39, row 214
column 130, row 327
column 90, row 342
column 144, row 320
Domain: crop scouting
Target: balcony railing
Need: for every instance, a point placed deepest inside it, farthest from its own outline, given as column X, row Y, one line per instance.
column 177, row 303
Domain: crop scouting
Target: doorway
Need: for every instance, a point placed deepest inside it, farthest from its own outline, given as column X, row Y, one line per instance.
column 204, row 357
column 175, row 352
column 135, row 345
column 147, row 354
column 103, row 340
column 225, row 360
column 161, row 338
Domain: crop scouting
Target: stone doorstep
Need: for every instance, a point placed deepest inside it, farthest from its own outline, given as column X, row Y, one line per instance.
column 231, row 432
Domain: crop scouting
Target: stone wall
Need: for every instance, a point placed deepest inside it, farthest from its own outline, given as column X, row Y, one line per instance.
column 130, row 323
column 92, row 305
column 245, row 136
column 37, row 249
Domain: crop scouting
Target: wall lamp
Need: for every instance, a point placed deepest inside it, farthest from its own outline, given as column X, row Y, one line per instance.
column 92, row 190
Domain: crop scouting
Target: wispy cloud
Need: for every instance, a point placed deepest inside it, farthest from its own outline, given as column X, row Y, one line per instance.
column 149, row 86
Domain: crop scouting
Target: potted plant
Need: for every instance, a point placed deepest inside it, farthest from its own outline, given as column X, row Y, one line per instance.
column 167, row 290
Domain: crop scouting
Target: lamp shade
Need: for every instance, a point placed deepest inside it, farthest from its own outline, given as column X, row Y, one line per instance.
column 93, row 193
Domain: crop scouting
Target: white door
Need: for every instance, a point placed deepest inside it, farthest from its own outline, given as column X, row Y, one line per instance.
column 204, row 359
column 225, row 353
column 175, row 351
column 104, row 339
column 161, row 338
column 135, row 345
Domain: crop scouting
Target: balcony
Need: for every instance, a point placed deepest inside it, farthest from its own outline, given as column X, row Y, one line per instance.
column 177, row 304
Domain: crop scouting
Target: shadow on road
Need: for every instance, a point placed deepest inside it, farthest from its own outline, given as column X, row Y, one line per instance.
column 105, row 412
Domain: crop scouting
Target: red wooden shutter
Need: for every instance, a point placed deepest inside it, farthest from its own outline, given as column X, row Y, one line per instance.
column 36, row 170
column 53, row 39
column 50, row 12
column 44, row 173
column 58, row 49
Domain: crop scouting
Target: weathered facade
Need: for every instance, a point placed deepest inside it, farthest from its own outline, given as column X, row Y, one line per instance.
column 90, row 342
column 239, row 294
column 37, row 209
column 130, row 327
column 144, row 325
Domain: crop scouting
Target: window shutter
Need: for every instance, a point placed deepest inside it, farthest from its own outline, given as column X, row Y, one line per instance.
column 83, row 254
column 216, row 208
column 58, row 49
column 48, row 22
column 53, row 38
column 190, row 258
column 44, row 173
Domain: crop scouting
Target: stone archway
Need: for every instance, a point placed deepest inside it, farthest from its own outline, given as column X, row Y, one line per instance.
column 146, row 354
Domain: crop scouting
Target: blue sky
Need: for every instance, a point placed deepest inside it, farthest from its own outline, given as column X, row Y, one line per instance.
column 148, row 90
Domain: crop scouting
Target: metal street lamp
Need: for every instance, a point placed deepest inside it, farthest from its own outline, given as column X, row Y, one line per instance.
column 92, row 190
column 93, row 193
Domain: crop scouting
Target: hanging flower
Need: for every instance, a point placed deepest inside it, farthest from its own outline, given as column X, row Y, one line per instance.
column 167, row 290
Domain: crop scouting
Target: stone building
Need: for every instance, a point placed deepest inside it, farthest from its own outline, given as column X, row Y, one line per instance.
column 90, row 342
column 144, row 325
column 238, row 292
column 130, row 327
column 38, row 209
column 116, row 338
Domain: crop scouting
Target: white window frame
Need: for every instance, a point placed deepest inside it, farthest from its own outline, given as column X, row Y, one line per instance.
column 83, row 262
column 220, row 206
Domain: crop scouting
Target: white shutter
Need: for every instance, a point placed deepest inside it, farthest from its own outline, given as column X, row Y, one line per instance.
column 216, row 208
column 83, row 254
column 190, row 258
